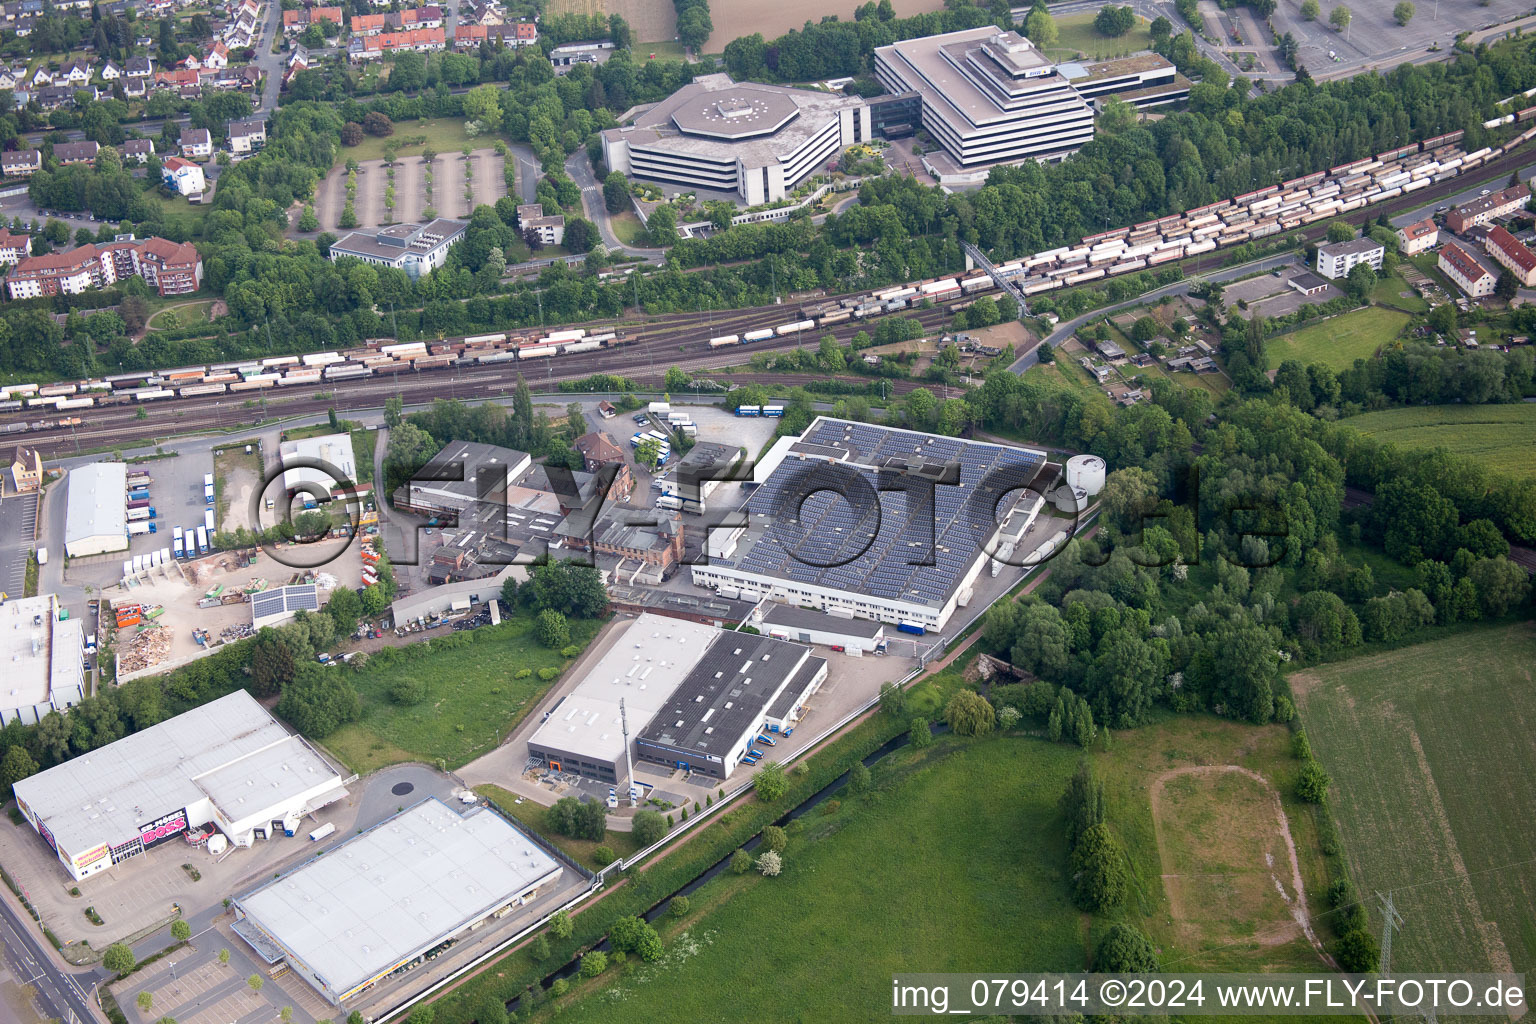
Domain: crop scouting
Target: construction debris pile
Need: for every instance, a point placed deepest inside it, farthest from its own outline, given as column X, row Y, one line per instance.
column 239, row 631
column 144, row 649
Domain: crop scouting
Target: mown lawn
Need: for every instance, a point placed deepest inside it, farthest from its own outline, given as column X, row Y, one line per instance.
column 472, row 702
column 1076, row 34
column 627, row 228
column 1429, row 747
column 956, row 861
column 1501, row 437
column 1338, row 341
column 1390, row 291
column 446, row 135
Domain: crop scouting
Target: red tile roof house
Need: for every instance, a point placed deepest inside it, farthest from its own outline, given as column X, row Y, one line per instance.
column 1512, row 254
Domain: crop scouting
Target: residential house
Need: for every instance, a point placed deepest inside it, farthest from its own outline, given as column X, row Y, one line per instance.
column 217, row 56
column 7, row 78
column 196, row 143
column 1488, row 208
column 14, row 248
column 51, row 97
column 183, row 177
column 1467, row 274
column 424, row 40
column 67, row 153
column 1414, row 238
column 135, row 88
column 1513, row 254
column 139, row 67
column 295, row 22
column 368, row 24
column 191, row 62
column 76, row 72
column 485, row 13
column 469, row 37
column 21, row 162
column 414, row 18
column 42, row 76
column 26, row 470
column 247, row 136
column 111, row 71
column 138, row 151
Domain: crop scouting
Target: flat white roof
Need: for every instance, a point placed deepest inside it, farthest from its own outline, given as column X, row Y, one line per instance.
column 332, row 449
column 643, row 667
column 39, row 654
column 97, row 502
column 397, row 890
column 229, row 751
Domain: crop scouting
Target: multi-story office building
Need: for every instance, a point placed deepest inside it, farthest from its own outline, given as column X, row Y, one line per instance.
column 758, row 141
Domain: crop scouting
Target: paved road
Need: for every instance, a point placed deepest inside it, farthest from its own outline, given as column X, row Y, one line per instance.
column 580, row 170
column 1527, row 174
column 1066, row 329
column 64, row 995
column 271, row 64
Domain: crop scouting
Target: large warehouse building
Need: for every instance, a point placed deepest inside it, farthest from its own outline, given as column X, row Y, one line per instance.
column 644, row 665
column 393, row 894
column 695, row 697
column 988, row 96
column 758, row 141
column 228, row 763
column 741, row 685
column 865, row 556
column 44, row 659
column 96, row 513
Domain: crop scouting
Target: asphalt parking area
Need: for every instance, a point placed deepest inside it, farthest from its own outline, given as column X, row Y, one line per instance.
column 18, row 523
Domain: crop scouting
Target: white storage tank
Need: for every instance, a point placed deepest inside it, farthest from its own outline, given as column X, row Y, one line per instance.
column 1071, row 500
column 1085, row 473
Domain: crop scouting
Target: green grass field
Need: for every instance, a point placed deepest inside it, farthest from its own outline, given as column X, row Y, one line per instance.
column 956, row 861
column 1076, row 34
column 182, row 314
column 1390, row 291
column 1339, row 341
column 445, row 135
column 472, row 698
column 627, row 228
column 1500, row 437
column 1430, row 750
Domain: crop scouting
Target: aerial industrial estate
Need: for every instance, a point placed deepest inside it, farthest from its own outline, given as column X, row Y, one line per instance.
column 510, row 513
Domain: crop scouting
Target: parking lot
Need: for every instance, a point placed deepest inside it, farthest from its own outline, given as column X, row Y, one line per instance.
column 18, row 521
column 1272, row 295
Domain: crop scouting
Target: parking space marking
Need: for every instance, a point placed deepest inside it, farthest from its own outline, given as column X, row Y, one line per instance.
column 231, row 1008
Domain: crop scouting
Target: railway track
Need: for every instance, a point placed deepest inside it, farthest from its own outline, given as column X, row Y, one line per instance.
column 684, row 343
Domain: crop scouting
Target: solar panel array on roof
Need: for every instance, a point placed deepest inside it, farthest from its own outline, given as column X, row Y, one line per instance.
column 865, row 540
column 304, row 597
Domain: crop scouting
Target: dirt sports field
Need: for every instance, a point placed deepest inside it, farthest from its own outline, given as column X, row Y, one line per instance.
column 655, row 21
column 1429, row 747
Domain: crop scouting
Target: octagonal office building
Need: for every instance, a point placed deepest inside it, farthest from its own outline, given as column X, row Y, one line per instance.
column 758, row 141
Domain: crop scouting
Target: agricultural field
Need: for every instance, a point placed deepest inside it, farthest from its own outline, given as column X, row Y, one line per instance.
column 950, row 834
column 650, row 20
column 1500, row 437
column 1430, row 750
column 472, row 698
column 1337, row 342
column 735, row 18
